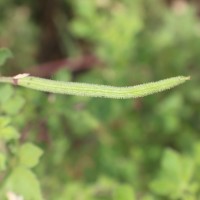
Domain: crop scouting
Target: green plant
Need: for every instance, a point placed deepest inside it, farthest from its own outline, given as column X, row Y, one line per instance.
column 16, row 159
column 20, row 181
column 107, row 149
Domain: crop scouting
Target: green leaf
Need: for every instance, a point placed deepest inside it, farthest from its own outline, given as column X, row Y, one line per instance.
column 4, row 121
column 177, row 166
column 171, row 164
column 23, row 183
column 8, row 133
column 13, row 105
column 4, row 55
column 5, row 93
column 73, row 191
column 29, row 155
column 124, row 192
column 175, row 175
column 2, row 162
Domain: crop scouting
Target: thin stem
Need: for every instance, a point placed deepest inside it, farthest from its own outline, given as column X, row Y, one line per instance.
column 6, row 79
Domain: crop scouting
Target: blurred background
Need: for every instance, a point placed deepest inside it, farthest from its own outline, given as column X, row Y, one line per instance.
column 102, row 149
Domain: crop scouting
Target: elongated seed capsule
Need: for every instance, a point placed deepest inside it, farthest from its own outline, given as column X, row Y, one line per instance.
column 94, row 90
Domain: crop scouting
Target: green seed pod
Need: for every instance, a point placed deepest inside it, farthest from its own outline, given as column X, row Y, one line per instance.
column 94, row 90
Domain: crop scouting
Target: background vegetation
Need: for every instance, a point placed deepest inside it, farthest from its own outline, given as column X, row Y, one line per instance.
column 76, row 148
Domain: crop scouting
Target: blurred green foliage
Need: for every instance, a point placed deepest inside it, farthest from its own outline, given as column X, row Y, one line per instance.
column 100, row 149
